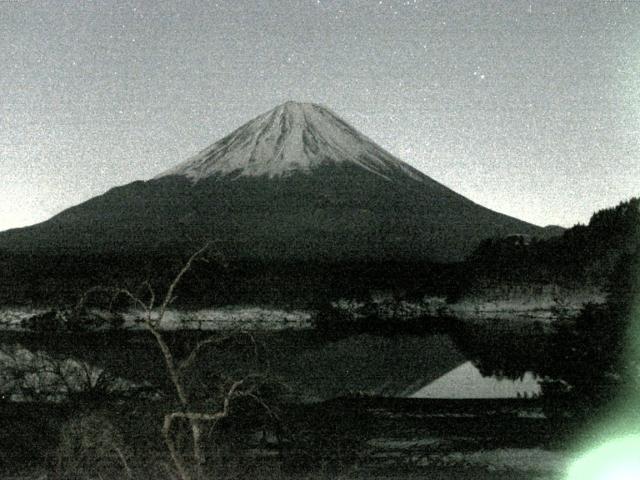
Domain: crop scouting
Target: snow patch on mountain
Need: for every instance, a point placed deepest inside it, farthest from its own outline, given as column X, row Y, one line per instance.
column 293, row 137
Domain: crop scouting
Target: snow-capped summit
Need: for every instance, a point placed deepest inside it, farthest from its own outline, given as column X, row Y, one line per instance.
column 291, row 137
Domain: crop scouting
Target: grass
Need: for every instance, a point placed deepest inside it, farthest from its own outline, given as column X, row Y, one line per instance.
column 328, row 440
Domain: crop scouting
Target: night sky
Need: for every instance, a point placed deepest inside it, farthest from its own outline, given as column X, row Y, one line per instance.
column 529, row 108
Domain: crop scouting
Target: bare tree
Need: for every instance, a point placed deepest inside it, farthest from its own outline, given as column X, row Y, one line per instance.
column 152, row 315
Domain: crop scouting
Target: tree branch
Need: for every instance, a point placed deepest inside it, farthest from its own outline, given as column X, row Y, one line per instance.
column 169, row 296
column 211, row 341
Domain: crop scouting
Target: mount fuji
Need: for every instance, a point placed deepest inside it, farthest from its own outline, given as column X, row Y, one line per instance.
column 296, row 183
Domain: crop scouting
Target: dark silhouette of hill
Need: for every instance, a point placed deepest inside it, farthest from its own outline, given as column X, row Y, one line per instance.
column 582, row 254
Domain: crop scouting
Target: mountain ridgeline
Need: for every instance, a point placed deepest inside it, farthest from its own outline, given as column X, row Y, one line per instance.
column 295, row 186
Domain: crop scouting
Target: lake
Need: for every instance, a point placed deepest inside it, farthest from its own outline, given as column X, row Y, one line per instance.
column 473, row 361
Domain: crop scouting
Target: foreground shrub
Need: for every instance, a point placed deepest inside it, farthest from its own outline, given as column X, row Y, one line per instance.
column 92, row 447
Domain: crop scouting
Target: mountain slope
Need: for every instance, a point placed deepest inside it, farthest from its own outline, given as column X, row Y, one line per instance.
column 294, row 184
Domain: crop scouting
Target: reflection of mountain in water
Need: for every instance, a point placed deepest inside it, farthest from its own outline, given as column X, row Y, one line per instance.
column 429, row 366
column 374, row 365
column 466, row 381
column 504, row 348
column 425, row 365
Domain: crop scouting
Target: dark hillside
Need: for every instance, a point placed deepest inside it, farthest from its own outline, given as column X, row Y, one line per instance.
column 583, row 254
